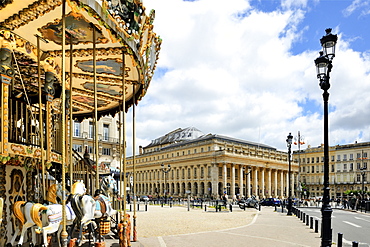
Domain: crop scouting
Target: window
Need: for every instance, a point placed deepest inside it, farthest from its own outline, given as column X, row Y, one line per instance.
column 312, row 169
column 344, row 157
column 77, row 147
column 317, row 159
column 351, row 167
column 105, row 132
column 77, row 129
column 358, row 166
column 332, row 158
column 358, row 155
column 350, row 156
column 313, row 160
column 344, row 167
column 338, row 157
column 338, row 167
column 195, row 172
column 332, row 168
column 188, row 172
column 106, row 151
column 91, row 129
column 303, row 169
column 358, row 178
column 201, row 150
column 365, row 155
column 365, row 165
column 90, row 149
column 202, row 172
column 195, row 151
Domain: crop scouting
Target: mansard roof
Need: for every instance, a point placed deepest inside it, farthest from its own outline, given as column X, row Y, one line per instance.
column 177, row 135
column 191, row 135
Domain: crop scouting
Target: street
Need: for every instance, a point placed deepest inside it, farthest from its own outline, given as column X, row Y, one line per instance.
column 355, row 226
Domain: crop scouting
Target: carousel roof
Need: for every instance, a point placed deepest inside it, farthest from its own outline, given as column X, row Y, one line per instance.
column 123, row 34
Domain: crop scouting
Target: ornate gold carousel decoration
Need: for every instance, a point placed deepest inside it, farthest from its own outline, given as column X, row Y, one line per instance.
column 62, row 61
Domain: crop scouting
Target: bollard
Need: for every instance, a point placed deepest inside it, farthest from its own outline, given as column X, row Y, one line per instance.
column 304, row 217
column 138, row 207
column 354, row 244
column 259, row 207
column 311, row 222
column 146, row 207
column 216, row 206
column 205, row 208
column 340, row 239
column 316, row 226
column 130, row 208
column 275, row 208
column 307, row 219
column 231, row 207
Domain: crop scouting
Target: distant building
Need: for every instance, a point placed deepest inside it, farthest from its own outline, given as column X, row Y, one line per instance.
column 348, row 169
column 83, row 140
column 210, row 166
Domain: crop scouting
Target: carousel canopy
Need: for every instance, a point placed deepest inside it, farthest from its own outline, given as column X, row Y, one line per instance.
column 123, row 35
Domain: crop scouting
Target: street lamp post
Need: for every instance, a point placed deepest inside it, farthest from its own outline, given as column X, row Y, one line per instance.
column 165, row 171
column 246, row 183
column 363, row 170
column 289, row 145
column 324, row 65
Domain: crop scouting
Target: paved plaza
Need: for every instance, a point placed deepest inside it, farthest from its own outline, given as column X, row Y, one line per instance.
column 178, row 227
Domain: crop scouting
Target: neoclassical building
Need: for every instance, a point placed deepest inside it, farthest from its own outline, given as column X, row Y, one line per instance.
column 348, row 168
column 209, row 166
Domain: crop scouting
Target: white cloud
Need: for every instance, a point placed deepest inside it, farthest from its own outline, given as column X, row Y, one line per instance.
column 231, row 72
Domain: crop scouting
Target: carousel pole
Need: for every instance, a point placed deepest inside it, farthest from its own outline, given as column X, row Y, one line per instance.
column 133, row 160
column 96, row 121
column 41, row 124
column 70, row 113
column 123, row 152
column 64, row 234
column 95, row 109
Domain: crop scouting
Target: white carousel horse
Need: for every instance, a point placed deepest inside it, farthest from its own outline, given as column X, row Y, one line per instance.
column 109, row 185
column 54, row 192
column 28, row 213
column 83, row 206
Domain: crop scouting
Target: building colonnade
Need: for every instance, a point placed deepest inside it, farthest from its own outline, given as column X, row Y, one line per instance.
column 216, row 179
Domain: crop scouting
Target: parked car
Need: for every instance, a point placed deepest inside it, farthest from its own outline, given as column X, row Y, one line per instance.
column 270, row 202
column 250, row 202
column 144, row 198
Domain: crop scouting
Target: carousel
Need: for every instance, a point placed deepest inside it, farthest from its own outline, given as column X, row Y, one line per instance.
column 62, row 61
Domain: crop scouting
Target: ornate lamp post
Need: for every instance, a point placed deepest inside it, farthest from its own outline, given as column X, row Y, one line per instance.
column 289, row 145
column 363, row 173
column 324, row 65
column 165, row 171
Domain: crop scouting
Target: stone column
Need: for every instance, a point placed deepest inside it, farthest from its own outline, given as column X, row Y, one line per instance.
column 281, row 184
column 249, row 188
column 255, row 184
column 263, row 182
column 241, row 180
column 276, row 184
column 287, row 183
column 232, row 187
column 224, row 176
column 214, row 179
column 269, row 183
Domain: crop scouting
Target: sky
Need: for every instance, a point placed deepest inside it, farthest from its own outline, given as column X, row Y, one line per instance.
column 245, row 69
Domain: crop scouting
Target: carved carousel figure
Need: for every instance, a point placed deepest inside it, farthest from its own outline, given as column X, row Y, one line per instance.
column 63, row 61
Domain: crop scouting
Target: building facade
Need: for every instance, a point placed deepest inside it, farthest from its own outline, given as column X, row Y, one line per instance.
column 83, row 140
column 348, row 169
column 209, row 166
